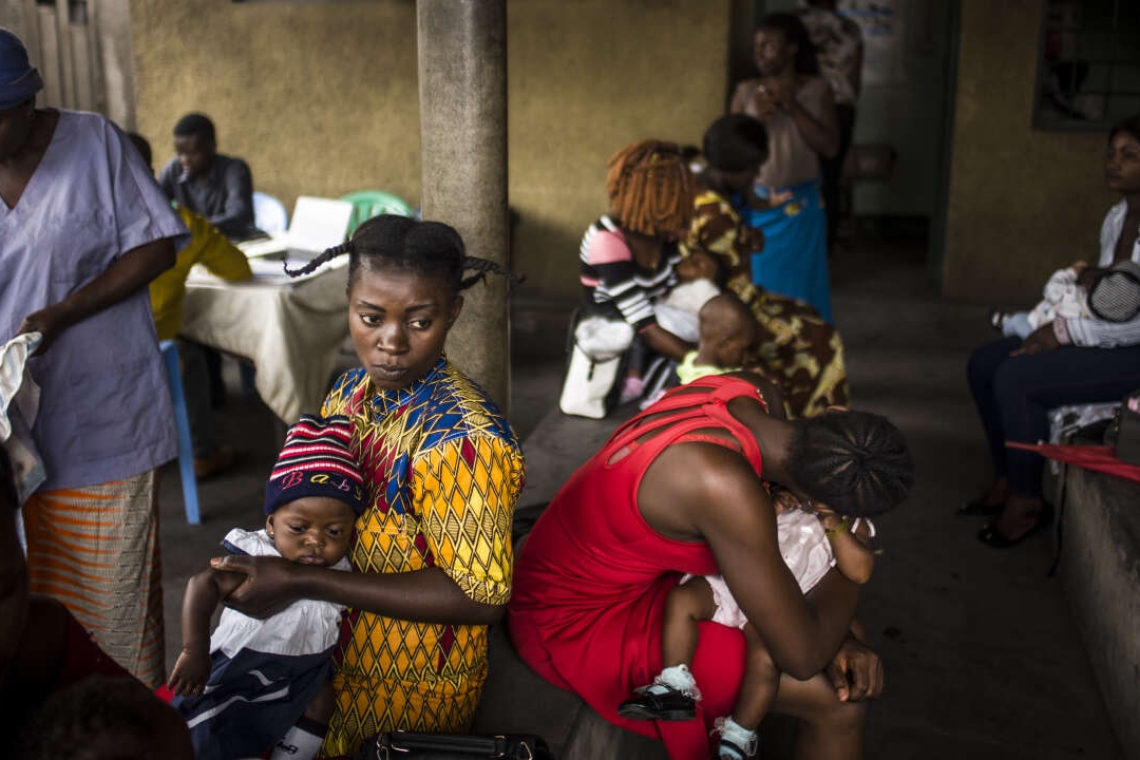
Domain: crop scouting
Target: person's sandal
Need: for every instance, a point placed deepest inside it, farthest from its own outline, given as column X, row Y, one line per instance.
column 990, row 537
column 978, row 508
column 728, row 750
column 998, row 318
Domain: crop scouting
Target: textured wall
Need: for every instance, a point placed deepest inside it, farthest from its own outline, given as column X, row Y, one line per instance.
column 585, row 78
column 1022, row 201
column 321, row 98
column 907, row 112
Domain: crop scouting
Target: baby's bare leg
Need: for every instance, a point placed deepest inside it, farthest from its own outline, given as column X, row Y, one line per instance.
column 673, row 693
column 321, row 708
column 687, row 605
column 761, row 683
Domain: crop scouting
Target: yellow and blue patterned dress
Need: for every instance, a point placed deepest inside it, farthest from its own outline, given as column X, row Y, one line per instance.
column 444, row 469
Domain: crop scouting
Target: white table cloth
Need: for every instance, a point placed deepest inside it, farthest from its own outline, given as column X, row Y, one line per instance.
column 291, row 332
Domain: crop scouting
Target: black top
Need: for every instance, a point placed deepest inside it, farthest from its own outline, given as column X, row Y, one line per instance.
column 224, row 195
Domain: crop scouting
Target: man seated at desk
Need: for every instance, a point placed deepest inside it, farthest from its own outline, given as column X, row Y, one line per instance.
column 217, row 186
column 211, row 249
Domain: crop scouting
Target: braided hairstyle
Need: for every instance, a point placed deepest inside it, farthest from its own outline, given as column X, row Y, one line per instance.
column 651, row 188
column 856, row 463
column 430, row 249
column 98, row 717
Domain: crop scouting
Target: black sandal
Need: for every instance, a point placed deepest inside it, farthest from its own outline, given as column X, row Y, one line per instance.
column 998, row 318
column 991, row 538
column 978, row 508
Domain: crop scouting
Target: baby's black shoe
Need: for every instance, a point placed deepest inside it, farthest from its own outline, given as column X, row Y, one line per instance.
column 998, row 318
column 659, row 701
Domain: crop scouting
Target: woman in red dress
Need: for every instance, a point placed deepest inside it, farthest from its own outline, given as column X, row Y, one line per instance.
column 676, row 490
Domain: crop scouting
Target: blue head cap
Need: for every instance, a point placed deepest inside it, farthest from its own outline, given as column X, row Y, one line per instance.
column 19, row 80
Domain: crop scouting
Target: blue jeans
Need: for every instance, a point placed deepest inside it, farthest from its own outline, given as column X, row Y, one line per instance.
column 1013, row 394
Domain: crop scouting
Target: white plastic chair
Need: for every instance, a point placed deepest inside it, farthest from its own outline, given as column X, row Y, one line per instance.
column 269, row 214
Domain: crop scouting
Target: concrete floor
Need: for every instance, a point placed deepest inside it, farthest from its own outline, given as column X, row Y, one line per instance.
column 983, row 660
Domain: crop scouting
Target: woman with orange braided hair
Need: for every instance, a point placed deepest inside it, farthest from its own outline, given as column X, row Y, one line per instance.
column 627, row 256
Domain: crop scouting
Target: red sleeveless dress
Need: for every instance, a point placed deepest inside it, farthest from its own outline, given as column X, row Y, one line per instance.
column 591, row 580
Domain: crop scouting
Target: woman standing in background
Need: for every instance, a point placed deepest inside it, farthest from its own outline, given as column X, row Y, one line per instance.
column 796, row 106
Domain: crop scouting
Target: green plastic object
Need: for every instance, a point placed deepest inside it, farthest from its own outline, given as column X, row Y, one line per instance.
column 369, row 203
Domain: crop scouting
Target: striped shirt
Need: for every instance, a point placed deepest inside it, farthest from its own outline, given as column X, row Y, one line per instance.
column 614, row 280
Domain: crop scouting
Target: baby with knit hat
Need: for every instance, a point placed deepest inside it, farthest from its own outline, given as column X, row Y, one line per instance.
column 256, row 685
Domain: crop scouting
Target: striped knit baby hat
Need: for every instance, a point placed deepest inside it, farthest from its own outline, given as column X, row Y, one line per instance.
column 316, row 461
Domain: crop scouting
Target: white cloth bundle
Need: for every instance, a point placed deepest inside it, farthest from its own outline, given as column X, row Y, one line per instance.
column 19, row 405
column 603, row 339
column 592, row 377
column 679, row 312
column 1063, row 299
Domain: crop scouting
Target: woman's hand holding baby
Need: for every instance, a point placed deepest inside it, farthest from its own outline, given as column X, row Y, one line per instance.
column 1087, row 275
column 271, row 583
column 1043, row 339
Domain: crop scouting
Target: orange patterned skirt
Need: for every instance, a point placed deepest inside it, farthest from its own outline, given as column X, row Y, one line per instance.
column 96, row 550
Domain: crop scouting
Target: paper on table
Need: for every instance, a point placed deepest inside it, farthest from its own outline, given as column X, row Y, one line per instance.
column 274, row 245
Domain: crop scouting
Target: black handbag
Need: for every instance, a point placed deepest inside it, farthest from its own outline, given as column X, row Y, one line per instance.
column 398, row 745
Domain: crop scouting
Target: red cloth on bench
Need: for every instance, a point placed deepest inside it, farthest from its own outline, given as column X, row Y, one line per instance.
column 1099, row 458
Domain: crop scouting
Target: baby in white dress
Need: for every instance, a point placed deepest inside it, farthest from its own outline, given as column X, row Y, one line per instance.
column 812, row 540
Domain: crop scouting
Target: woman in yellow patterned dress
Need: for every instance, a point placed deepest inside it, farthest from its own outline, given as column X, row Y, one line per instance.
column 801, row 349
column 432, row 553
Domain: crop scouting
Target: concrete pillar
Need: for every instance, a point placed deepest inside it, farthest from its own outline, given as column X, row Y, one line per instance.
column 463, row 146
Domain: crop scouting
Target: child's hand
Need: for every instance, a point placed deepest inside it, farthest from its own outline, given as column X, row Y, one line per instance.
column 191, row 671
column 853, row 554
column 779, row 197
column 781, row 91
column 784, row 500
column 752, row 239
column 764, row 102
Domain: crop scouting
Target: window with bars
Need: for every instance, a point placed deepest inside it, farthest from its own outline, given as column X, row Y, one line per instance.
column 1088, row 73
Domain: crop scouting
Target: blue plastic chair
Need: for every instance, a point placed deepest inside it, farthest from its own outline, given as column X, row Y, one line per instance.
column 369, row 203
column 269, row 214
column 182, row 421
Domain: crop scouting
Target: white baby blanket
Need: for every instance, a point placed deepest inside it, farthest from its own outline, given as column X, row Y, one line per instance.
column 19, row 404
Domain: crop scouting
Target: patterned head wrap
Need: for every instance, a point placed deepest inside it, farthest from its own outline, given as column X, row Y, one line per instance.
column 19, row 80
column 316, row 461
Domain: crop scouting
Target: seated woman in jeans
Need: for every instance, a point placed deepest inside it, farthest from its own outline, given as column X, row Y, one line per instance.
column 1067, row 361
